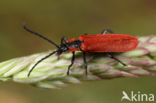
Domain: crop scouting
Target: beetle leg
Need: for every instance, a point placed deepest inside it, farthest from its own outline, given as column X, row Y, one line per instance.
column 111, row 56
column 72, row 62
column 63, row 40
column 107, row 30
column 85, row 62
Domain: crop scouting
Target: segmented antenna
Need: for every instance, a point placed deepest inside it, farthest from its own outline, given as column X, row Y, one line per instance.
column 40, row 35
column 41, row 61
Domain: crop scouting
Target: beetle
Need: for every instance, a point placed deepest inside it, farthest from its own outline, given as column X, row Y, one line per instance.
column 97, row 43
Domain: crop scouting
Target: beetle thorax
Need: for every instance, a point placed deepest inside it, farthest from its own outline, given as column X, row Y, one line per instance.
column 71, row 46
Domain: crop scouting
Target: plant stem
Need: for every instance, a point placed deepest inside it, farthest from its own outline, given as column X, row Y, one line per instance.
column 51, row 73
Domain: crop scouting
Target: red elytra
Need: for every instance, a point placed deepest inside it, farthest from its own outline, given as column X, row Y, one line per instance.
column 106, row 43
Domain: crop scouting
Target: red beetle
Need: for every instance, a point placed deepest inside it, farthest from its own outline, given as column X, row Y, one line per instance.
column 101, row 43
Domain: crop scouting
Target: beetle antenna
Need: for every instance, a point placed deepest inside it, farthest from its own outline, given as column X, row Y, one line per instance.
column 40, row 35
column 41, row 61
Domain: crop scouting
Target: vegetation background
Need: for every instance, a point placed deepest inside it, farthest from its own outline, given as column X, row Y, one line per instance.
column 71, row 18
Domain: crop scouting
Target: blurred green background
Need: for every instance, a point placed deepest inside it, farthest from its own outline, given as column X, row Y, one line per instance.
column 71, row 18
